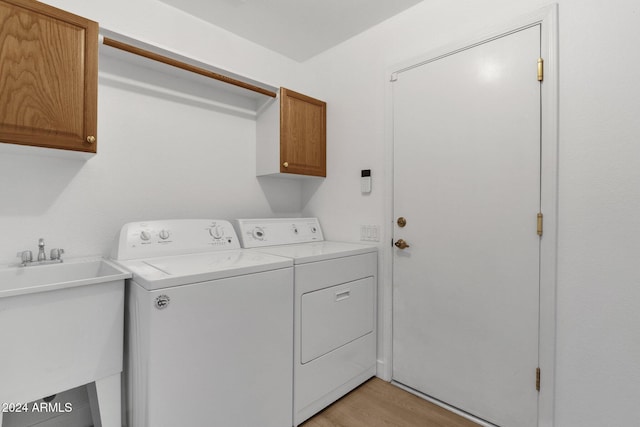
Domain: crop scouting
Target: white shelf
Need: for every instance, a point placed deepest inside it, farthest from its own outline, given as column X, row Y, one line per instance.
column 123, row 68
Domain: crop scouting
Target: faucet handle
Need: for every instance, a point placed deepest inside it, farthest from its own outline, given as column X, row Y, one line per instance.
column 25, row 256
column 41, row 243
column 56, row 254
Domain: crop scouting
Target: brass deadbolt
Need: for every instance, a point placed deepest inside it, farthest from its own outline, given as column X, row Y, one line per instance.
column 402, row 221
column 91, row 139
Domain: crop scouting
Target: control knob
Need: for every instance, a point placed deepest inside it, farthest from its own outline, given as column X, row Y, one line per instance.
column 145, row 235
column 216, row 232
column 164, row 234
column 258, row 233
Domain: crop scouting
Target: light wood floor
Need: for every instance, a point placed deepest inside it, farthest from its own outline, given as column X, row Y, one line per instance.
column 378, row 403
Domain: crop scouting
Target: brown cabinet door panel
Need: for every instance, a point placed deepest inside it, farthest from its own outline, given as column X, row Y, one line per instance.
column 303, row 134
column 48, row 76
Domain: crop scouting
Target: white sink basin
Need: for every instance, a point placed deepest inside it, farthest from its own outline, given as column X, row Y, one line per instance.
column 40, row 278
column 61, row 326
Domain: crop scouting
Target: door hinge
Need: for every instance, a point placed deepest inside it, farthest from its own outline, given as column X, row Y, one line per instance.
column 540, row 69
column 538, row 379
column 540, row 218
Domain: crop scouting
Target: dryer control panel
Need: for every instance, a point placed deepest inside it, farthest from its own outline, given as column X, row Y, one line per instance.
column 148, row 239
column 256, row 233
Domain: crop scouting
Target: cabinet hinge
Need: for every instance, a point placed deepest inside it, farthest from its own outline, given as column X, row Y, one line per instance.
column 538, row 379
column 540, row 218
column 540, row 69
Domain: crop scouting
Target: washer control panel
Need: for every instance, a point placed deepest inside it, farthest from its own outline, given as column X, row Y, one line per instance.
column 255, row 233
column 174, row 237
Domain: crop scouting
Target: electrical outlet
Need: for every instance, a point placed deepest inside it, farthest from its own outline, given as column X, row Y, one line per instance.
column 369, row 233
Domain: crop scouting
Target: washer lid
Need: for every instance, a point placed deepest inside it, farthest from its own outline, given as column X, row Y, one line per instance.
column 317, row 251
column 164, row 272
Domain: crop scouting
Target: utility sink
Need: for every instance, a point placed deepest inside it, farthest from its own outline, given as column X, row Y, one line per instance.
column 61, row 326
column 70, row 274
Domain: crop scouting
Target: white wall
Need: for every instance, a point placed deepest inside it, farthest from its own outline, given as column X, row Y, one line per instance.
column 158, row 156
column 80, row 205
column 598, row 289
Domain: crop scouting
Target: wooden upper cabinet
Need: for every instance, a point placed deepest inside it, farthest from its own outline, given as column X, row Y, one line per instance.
column 291, row 136
column 303, row 138
column 48, row 77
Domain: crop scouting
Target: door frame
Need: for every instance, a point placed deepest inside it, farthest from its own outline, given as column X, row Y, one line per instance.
column 547, row 18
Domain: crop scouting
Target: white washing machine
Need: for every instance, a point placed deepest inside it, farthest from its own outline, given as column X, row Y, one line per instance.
column 209, row 331
column 334, row 308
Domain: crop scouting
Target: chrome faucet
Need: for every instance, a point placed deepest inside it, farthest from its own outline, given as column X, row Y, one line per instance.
column 41, row 255
column 26, row 257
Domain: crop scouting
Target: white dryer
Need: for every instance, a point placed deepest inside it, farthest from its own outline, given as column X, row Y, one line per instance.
column 334, row 308
column 208, row 327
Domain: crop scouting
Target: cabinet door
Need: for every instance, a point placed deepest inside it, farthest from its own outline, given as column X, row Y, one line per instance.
column 48, row 77
column 302, row 134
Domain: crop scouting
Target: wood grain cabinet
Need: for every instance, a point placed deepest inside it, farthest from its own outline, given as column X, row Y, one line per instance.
column 48, row 77
column 291, row 136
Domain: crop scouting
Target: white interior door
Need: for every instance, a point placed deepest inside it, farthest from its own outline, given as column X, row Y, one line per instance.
column 467, row 180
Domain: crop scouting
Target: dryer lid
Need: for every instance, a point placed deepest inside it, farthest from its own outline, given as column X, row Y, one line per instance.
column 318, row 251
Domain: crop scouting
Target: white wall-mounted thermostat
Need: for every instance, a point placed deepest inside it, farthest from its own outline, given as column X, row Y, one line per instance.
column 365, row 180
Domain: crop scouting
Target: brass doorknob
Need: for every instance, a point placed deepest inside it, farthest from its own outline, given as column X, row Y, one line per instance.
column 401, row 244
column 285, row 164
column 91, row 139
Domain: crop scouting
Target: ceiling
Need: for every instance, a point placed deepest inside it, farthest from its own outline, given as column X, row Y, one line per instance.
column 298, row 29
